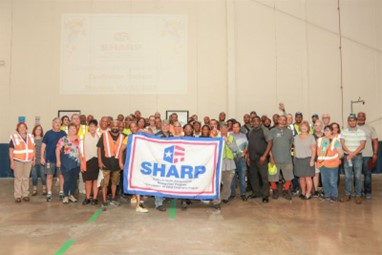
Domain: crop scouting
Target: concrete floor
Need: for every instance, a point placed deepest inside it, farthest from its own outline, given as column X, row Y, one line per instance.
column 280, row 227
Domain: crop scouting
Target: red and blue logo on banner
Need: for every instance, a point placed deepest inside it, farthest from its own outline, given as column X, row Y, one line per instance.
column 185, row 167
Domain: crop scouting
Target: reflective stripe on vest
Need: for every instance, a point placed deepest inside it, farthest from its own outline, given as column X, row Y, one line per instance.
column 330, row 158
column 112, row 147
column 23, row 150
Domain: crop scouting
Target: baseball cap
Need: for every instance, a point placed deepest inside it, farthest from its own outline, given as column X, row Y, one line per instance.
column 352, row 116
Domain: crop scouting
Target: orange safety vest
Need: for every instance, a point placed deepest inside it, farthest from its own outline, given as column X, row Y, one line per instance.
column 23, row 150
column 111, row 147
column 329, row 158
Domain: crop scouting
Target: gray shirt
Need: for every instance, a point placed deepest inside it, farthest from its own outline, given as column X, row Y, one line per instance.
column 303, row 147
column 370, row 135
column 282, row 141
column 245, row 129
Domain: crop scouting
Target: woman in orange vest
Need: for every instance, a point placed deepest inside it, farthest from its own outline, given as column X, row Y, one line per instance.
column 329, row 153
column 22, row 157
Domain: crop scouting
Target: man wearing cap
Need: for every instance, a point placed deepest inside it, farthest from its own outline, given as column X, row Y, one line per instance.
column 369, row 153
column 353, row 141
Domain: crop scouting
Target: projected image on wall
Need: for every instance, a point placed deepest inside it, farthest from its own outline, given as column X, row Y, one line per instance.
column 123, row 54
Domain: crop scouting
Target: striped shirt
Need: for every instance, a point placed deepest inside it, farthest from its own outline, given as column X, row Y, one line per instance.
column 353, row 138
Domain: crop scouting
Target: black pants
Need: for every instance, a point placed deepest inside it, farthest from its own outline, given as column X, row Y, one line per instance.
column 258, row 177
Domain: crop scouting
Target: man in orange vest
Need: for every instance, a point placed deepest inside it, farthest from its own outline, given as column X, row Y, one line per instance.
column 109, row 146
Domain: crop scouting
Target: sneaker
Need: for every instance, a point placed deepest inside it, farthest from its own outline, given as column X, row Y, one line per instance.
column 275, row 194
column 141, row 209
column 133, row 200
column 346, row 199
column 61, row 195
column 44, row 192
column 324, row 199
column 49, row 198
column 94, row 202
column 34, row 192
column 115, row 203
column 265, row 200
column 332, row 200
column 184, row 205
column 316, row 194
column 243, row 197
column 65, row 200
column 253, row 196
column 205, row 201
column 358, row 200
column 368, row 196
column 296, row 192
column 160, row 208
column 26, row 199
column 72, row 199
column 18, row 200
column 104, row 206
column 86, row 201
column 287, row 195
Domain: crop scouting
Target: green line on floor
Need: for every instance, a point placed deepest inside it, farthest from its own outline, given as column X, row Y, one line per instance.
column 95, row 215
column 172, row 208
column 63, row 248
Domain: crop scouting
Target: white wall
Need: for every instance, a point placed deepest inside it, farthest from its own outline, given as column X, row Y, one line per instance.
column 242, row 55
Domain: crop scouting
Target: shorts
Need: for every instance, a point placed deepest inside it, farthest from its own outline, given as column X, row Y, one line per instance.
column 92, row 170
column 51, row 169
column 106, row 177
column 287, row 172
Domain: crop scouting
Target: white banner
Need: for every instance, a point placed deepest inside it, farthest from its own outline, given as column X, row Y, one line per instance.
column 185, row 167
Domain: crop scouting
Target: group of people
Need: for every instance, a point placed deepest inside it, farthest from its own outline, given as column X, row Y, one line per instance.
column 290, row 157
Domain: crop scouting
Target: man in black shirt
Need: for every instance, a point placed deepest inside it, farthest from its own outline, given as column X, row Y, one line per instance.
column 259, row 146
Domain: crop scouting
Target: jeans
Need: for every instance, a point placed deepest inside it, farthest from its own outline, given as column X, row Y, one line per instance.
column 355, row 169
column 70, row 180
column 38, row 170
column 329, row 178
column 258, row 177
column 241, row 168
column 367, row 175
column 158, row 201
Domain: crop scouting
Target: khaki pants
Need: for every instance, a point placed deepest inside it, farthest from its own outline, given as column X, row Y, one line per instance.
column 22, row 172
column 227, row 177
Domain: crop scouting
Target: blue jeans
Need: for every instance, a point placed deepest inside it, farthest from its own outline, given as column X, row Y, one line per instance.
column 356, row 169
column 329, row 177
column 38, row 170
column 241, row 169
column 158, row 201
column 367, row 175
column 70, row 180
